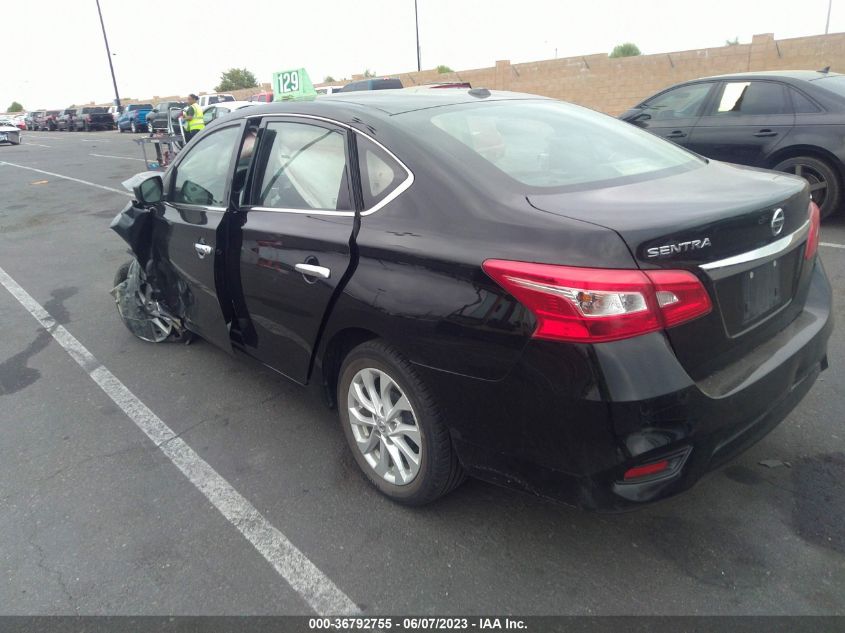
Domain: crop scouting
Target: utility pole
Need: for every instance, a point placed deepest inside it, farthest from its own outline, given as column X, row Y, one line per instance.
column 417, row 20
column 827, row 24
column 108, row 52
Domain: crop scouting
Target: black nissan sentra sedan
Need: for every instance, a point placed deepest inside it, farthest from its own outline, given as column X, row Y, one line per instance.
column 490, row 284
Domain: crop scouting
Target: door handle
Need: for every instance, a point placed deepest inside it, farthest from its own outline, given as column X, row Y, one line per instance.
column 676, row 134
column 203, row 249
column 310, row 270
column 765, row 133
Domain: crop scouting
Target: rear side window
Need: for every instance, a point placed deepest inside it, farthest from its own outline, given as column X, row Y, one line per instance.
column 201, row 175
column 802, row 103
column 380, row 173
column 750, row 98
column 549, row 144
column 833, row 83
column 303, row 167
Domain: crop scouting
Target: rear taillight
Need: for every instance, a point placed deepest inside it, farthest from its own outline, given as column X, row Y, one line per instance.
column 813, row 235
column 592, row 305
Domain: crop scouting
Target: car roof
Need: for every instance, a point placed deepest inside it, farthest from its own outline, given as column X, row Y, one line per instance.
column 231, row 104
column 796, row 75
column 398, row 101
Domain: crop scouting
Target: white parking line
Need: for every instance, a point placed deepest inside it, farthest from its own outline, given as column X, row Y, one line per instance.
column 93, row 140
column 123, row 157
column 831, row 245
column 28, row 143
column 50, row 173
column 289, row 562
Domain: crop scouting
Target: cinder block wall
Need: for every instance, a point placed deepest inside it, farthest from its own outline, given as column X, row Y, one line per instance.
column 614, row 85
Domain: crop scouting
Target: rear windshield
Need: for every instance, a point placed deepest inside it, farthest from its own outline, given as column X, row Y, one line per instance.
column 835, row 84
column 139, row 106
column 550, row 144
column 93, row 110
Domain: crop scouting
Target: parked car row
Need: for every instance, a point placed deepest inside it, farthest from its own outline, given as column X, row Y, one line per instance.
column 86, row 118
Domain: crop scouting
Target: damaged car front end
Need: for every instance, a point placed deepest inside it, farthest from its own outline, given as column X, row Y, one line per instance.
column 136, row 291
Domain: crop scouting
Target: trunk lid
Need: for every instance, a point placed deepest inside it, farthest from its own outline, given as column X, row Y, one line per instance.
column 740, row 230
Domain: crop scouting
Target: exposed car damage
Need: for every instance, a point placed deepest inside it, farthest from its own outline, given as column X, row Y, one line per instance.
column 137, row 292
column 9, row 132
column 486, row 311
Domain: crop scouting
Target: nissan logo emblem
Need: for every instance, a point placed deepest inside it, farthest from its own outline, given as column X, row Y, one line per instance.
column 777, row 222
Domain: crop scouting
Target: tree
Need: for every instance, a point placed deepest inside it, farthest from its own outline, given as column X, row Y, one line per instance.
column 328, row 79
column 369, row 73
column 443, row 68
column 733, row 42
column 15, row 107
column 235, row 79
column 628, row 49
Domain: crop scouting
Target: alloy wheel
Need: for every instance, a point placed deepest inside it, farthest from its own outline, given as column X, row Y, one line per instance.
column 384, row 426
column 817, row 180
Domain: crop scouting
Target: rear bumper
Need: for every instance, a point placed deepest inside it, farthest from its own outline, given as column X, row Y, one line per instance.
column 569, row 421
column 98, row 125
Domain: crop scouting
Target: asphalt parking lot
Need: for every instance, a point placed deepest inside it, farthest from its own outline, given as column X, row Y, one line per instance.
column 95, row 518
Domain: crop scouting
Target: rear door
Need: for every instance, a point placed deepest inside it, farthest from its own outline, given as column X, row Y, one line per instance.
column 188, row 238
column 297, row 226
column 744, row 123
column 672, row 114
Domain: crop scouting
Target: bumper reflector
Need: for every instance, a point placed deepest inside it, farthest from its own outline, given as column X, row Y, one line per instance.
column 646, row 470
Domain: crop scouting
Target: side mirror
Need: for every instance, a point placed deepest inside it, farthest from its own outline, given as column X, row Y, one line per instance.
column 149, row 191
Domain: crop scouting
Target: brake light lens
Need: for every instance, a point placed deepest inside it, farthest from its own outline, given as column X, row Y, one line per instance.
column 813, row 235
column 596, row 305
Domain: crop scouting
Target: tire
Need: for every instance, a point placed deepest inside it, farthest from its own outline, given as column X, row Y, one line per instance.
column 825, row 182
column 141, row 323
column 438, row 471
column 120, row 129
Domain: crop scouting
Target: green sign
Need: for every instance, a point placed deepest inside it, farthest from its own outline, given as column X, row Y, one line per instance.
column 292, row 84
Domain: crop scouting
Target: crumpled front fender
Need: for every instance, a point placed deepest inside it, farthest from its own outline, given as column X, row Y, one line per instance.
column 135, row 225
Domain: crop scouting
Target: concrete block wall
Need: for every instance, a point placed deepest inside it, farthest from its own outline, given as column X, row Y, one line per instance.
column 614, row 85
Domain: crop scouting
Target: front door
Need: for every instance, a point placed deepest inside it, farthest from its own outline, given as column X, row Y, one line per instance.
column 187, row 232
column 744, row 123
column 297, row 225
column 672, row 114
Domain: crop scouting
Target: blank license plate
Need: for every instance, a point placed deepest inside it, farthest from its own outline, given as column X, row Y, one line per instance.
column 762, row 290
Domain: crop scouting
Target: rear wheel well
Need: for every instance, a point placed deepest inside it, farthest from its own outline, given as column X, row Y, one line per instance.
column 337, row 349
column 808, row 150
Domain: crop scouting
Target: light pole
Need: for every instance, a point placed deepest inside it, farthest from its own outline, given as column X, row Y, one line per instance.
column 827, row 24
column 108, row 53
column 417, row 20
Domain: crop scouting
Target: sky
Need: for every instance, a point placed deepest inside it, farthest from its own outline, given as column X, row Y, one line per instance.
column 59, row 59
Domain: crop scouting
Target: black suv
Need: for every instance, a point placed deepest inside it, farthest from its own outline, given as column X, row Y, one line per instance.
column 157, row 117
column 790, row 121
